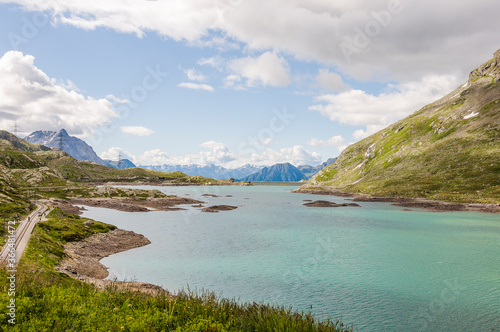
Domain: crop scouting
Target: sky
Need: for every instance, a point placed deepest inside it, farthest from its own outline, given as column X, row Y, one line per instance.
column 231, row 82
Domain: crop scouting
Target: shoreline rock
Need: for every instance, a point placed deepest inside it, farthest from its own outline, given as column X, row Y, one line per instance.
column 432, row 205
column 83, row 261
column 322, row 203
column 217, row 208
column 124, row 204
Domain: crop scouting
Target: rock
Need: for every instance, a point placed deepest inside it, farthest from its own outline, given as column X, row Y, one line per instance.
column 322, row 203
column 88, row 223
column 217, row 208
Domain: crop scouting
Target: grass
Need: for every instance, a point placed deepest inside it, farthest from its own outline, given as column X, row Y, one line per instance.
column 47, row 300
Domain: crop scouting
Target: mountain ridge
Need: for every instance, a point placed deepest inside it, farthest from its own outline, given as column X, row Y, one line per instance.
column 448, row 150
column 211, row 171
column 74, row 146
column 284, row 172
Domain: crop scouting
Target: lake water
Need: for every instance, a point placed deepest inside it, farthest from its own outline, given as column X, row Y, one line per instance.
column 376, row 266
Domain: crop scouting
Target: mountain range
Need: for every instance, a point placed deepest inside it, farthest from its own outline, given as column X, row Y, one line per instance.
column 73, row 146
column 246, row 172
column 80, row 150
column 448, row 150
column 309, row 171
column 211, row 171
column 285, row 172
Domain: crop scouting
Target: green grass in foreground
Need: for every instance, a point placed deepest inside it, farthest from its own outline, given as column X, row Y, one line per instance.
column 49, row 301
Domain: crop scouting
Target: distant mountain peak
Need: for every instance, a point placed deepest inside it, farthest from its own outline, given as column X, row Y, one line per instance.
column 74, row 146
column 284, row 172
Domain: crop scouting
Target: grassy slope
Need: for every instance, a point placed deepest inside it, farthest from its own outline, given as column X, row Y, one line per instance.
column 434, row 153
column 49, row 301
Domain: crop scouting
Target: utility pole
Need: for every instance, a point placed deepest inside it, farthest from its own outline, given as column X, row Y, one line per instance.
column 15, row 128
column 120, row 160
column 60, row 140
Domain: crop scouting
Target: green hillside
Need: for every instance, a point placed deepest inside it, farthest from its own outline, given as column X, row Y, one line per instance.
column 449, row 150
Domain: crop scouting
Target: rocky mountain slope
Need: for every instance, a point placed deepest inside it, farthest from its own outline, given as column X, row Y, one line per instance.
column 449, row 150
column 74, row 146
column 277, row 173
column 310, row 171
column 119, row 164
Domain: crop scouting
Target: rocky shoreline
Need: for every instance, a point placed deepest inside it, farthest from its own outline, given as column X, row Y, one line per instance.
column 83, row 260
column 123, row 204
column 435, row 206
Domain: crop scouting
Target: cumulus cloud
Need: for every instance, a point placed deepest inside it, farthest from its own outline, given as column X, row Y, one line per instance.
column 266, row 69
column 137, row 130
column 332, row 141
column 331, row 81
column 194, row 75
column 115, row 153
column 295, row 155
column 386, row 36
column 35, row 101
column 196, row 86
column 217, row 153
column 358, row 108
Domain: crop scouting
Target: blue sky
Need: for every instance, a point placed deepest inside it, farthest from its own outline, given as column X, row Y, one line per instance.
column 231, row 82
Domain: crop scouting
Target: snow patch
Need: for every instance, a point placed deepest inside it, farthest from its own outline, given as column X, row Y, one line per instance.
column 466, row 83
column 473, row 114
column 355, row 168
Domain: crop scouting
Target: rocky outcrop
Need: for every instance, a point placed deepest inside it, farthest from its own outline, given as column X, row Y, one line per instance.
column 321, row 203
column 217, row 208
column 488, row 69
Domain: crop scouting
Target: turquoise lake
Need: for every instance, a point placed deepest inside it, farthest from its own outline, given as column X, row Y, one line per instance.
column 376, row 266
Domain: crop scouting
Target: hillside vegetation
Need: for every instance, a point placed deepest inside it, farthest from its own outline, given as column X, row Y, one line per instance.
column 449, row 150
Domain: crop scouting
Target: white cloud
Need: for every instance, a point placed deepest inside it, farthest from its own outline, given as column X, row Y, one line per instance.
column 117, row 100
column 152, row 157
column 215, row 61
column 330, row 81
column 193, row 75
column 196, row 86
column 295, row 155
column 35, row 101
column 358, row 108
column 267, row 69
column 217, row 153
column 137, row 130
column 115, row 153
column 398, row 43
column 332, row 141
column 233, row 82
